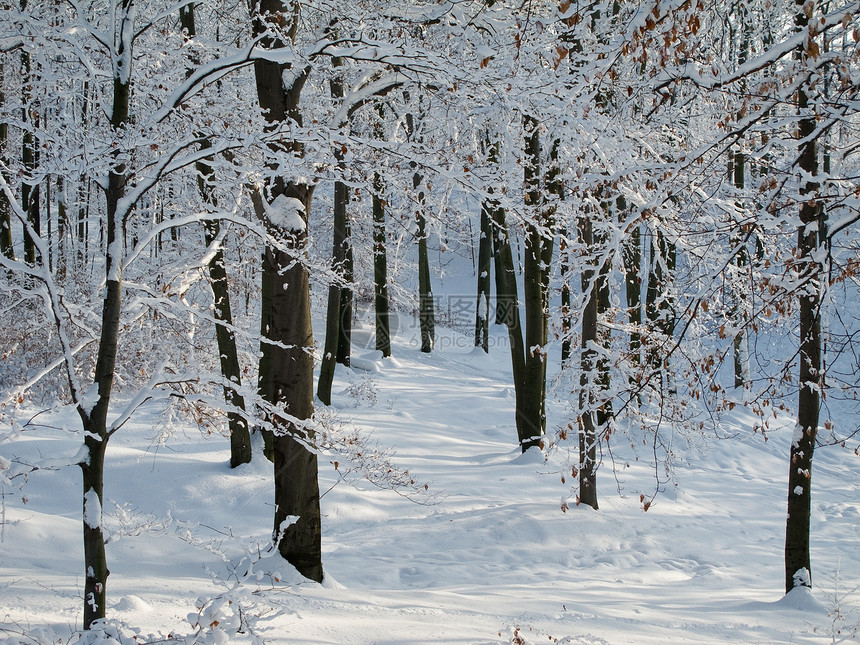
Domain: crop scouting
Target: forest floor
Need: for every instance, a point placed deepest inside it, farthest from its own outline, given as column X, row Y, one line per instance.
column 484, row 556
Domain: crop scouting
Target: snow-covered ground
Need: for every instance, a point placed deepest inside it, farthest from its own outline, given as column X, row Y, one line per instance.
column 486, row 556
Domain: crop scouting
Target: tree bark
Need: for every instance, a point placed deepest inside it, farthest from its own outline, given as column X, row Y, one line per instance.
column 566, row 320
column 426, row 310
column 292, row 363
column 94, row 418
column 538, row 249
column 6, row 246
column 798, row 567
column 335, row 311
column 344, row 340
column 240, row 436
column 288, row 317
column 380, row 270
column 631, row 257
column 587, row 396
column 658, row 302
column 739, row 344
column 30, row 197
column 508, row 309
column 265, row 387
column 334, row 321
column 485, row 252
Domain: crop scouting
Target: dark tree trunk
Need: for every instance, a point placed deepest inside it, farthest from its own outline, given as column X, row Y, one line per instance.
column 566, row 321
column 342, row 222
column 344, row 340
column 604, row 337
column 739, row 344
column 82, row 232
column 380, row 270
column 426, row 311
column 588, row 382
column 508, row 309
column 288, row 317
column 485, row 252
column 62, row 227
column 95, row 558
column 30, row 197
column 333, row 309
column 334, row 312
column 631, row 257
column 240, row 436
column 334, row 322
column 658, row 302
column 265, row 387
column 798, row 567
column 535, row 275
column 94, row 415
column 6, row 247
column 292, row 363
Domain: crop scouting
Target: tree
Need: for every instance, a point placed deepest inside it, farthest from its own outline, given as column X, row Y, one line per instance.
column 426, row 311
column 797, row 562
column 240, row 437
column 6, row 247
column 285, row 205
column 339, row 309
column 381, row 300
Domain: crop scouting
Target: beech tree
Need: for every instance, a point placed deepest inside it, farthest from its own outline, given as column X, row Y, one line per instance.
column 285, row 205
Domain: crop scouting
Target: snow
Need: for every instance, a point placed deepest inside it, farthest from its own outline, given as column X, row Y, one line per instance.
column 89, row 399
column 486, row 554
column 285, row 213
column 92, row 509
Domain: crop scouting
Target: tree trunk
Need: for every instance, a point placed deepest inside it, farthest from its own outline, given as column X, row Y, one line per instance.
column 658, row 302
column 6, row 246
column 739, row 344
column 426, row 313
column 83, row 227
column 265, row 387
column 494, row 210
column 798, row 568
column 94, row 416
column 334, row 322
column 287, row 315
column 30, row 193
column 292, row 364
column 588, row 384
column 535, row 287
column 62, row 228
column 604, row 336
column 485, row 252
column 334, row 312
column 380, row 270
column 344, row 340
column 240, row 437
column 566, row 321
column 508, row 309
column 631, row 257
